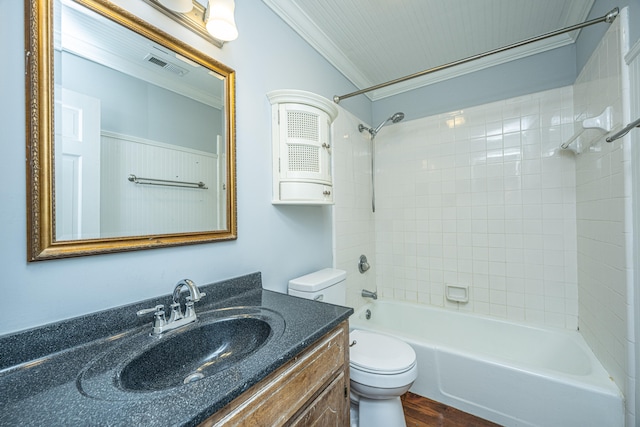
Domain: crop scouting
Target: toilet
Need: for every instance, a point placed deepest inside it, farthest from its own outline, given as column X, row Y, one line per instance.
column 382, row 368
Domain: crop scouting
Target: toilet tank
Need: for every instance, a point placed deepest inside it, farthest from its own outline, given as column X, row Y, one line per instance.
column 326, row 285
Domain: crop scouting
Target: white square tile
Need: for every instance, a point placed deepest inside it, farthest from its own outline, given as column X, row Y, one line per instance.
column 492, row 202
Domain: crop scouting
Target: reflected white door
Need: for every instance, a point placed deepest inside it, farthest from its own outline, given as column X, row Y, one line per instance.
column 221, row 183
column 77, row 166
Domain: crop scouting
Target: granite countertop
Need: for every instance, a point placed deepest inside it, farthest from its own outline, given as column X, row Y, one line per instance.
column 63, row 373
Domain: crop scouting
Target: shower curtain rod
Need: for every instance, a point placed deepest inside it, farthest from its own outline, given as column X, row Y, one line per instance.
column 608, row 18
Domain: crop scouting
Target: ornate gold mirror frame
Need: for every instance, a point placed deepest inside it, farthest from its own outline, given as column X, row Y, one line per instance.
column 39, row 51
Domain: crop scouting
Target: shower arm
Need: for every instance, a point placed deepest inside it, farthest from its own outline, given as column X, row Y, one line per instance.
column 608, row 18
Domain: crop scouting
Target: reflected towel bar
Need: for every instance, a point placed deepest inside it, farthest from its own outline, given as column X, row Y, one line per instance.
column 151, row 181
column 624, row 131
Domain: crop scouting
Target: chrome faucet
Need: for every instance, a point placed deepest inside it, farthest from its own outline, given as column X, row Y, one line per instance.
column 176, row 319
column 368, row 294
column 194, row 292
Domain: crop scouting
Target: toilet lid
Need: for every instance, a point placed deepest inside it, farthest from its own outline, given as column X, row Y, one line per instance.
column 379, row 353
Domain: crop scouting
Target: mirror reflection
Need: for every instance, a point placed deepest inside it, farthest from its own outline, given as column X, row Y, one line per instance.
column 140, row 151
column 128, row 106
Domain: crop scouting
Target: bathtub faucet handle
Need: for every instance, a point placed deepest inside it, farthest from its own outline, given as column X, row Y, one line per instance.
column 368, row 294
column 363, row 264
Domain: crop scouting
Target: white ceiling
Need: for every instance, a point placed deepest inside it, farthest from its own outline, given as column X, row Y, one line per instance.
column 96, row 38
column 374, row 41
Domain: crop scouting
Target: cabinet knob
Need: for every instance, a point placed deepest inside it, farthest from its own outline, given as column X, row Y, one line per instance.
column 326, row 193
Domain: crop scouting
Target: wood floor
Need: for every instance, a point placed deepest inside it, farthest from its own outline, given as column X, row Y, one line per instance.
column 422, row 412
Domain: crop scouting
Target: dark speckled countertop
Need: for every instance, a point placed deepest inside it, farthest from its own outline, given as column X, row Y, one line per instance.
column 63, row 373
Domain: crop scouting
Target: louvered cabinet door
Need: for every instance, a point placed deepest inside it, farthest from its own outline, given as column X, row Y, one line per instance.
column 301, row 153
column 304, row 144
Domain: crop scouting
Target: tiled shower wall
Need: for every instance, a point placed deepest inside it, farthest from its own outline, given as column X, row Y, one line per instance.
column 353, row 218
column 485, row 198
column 632, row 392
column 633, row 388
column 603, row 209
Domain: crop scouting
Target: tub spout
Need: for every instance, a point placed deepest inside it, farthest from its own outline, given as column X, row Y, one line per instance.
column 368, row 294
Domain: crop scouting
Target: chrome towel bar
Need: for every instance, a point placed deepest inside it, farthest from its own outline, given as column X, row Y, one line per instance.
column 152, row 181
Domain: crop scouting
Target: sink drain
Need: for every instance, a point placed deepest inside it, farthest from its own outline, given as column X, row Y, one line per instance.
column 193, row 377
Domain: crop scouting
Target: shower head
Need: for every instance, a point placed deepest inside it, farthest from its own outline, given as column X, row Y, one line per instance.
column 394, row 119
column 397, row 117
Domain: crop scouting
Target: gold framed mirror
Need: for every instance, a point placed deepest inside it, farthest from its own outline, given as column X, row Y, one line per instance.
column 130, row 135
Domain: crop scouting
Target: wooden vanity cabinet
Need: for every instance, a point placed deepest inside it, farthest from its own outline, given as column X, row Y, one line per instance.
column 312, row 389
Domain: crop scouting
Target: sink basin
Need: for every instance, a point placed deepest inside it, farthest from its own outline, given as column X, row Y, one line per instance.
column 215, row 348
column 193, row 354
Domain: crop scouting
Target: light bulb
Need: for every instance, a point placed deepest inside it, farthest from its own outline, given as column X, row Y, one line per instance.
column 221, row 23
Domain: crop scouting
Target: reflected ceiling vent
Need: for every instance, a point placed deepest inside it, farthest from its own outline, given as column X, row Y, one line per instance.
column 166, row 65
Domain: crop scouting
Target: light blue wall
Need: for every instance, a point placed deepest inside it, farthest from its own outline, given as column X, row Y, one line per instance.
column 281, row 242
column 135, row 107
column 634, row 18
column 539, row 72
column 591, row 36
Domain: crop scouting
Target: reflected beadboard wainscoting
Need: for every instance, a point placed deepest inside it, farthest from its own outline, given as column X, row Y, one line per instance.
column 144, row 208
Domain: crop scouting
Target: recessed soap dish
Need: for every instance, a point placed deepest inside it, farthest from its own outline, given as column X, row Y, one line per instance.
column 457, row 293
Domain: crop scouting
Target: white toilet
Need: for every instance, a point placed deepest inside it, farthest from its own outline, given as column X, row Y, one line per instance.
column 382, row 368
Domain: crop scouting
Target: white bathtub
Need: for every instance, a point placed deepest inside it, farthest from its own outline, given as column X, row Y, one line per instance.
column 508, row 373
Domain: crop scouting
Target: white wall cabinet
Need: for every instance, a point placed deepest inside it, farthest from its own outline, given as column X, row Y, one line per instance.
column 301, row 146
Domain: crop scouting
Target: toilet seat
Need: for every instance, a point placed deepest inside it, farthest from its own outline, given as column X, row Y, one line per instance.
column 386, row 384
column 380, row 354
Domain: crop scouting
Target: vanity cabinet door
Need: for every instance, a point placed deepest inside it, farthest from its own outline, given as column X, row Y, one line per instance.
column 329, row 409
column 310, row 389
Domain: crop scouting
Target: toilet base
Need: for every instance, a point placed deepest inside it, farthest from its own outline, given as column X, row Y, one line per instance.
column 377, row 413
column 353, row 412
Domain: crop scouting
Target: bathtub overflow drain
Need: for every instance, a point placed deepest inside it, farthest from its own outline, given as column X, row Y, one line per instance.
column 367, row 314
column 193, row 377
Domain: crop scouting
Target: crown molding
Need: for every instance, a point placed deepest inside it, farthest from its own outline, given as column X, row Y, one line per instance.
column 297, row 19
column 302, row 24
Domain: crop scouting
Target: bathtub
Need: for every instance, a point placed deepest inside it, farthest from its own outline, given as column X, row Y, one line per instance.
column 511, row 374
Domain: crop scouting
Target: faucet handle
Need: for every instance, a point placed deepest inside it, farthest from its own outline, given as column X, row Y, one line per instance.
column 189, row 310
column 176, row 314
column 363, row 264
column 159, row 320
column 158, row 308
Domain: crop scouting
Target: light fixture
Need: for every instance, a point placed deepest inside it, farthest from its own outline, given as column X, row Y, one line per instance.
column 219, row 20
column 180, row 6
